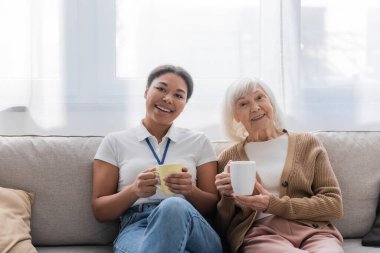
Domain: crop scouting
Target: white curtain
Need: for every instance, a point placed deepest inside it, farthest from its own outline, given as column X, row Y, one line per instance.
column 31, row 70
column 57, row 67
column 336, row 83
column 80, row 66
column 320, row 57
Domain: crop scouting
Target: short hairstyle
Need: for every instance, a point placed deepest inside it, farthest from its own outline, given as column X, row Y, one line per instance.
column 236, row 130
column 179, row 71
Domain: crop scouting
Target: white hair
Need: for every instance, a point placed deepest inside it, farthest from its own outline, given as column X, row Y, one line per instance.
column 236, row 130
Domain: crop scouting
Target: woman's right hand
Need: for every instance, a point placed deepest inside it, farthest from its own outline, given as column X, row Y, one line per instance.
column 145, row 183
column 223, row 182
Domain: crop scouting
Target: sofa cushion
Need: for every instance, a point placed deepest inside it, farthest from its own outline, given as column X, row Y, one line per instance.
column 15, row 212
column 355, row 160
column 59, row 170
column 373, row 237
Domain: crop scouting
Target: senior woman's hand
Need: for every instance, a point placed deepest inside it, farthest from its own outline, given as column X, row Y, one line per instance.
column 257, row 202
column 223, row 182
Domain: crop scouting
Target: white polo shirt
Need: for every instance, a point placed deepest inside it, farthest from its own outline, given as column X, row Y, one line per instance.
column 129, row 151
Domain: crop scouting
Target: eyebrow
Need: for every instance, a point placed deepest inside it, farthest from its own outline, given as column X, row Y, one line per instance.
column 166, row 85
column 254, row 92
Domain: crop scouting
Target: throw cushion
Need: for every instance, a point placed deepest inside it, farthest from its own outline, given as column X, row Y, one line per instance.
column 15, row 212
column 373, row 237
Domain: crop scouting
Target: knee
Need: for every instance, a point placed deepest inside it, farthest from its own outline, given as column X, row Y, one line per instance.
column 175, row 206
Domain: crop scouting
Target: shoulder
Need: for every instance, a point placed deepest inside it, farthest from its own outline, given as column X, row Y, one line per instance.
column 306, row 142
column 230, row 153
column 233, row 149
column 305, row 138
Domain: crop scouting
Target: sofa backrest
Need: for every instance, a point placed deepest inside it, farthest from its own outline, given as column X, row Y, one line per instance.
column 355, row 158
column 59, row 171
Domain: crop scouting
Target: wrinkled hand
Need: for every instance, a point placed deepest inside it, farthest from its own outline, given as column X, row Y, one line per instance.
column 179, row 183
column 223, row 181
column 145, row 183
column 258, row 202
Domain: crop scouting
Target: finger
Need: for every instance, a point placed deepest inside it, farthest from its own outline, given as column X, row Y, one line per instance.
column 227, row 167
column 223, row 175
column 223, row 180
column 241, row 197
column 184, row 169
column 146, row 175
column 147, row 183
column 174, row 176
column 178, row 181
column 180, row 189
column 261, row 189
column 149, row 170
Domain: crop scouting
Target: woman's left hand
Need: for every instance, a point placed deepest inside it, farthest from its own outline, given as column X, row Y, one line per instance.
column 257, row 202
column 180, row 183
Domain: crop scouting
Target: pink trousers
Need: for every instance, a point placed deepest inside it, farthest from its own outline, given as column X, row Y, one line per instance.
column 273, row 234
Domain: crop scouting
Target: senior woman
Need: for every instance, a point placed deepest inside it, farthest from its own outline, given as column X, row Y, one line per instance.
column 296, row 194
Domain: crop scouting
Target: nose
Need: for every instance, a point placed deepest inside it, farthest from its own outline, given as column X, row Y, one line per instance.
column 255, row 107
column 168, row 99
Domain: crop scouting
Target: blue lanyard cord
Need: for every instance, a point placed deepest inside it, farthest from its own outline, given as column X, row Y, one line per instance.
column 155, row 154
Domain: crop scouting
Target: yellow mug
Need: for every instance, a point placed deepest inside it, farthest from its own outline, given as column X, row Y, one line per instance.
column 162, row 171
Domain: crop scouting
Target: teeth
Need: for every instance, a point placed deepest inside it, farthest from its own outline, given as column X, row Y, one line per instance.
column 258, row 117
column 163, row 109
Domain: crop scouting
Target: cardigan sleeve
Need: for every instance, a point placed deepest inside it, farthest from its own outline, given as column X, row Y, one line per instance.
column 313, row 192
column 226, row 204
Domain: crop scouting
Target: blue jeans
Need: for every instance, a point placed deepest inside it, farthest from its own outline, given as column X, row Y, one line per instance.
column 171, row 226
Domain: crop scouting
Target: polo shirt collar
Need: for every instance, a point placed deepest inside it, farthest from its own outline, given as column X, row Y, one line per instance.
column 142, row 133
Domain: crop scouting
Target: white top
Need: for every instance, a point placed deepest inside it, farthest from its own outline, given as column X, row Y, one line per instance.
column 129, row 151
column 270, row 159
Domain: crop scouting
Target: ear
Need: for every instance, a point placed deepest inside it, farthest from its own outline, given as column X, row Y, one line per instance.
column 146, row 92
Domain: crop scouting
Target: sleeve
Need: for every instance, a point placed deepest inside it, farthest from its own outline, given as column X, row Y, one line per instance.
column 226, row 206
column 206, row 152
column 325, row 201
column 107, row 151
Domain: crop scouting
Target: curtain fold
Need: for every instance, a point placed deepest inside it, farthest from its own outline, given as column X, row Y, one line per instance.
column 70, row 62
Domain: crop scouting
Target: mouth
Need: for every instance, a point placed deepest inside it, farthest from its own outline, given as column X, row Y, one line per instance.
column 163, row 109
column 258, row 117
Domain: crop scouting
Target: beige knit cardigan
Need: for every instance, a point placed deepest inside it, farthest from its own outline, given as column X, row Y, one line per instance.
column 309, row 190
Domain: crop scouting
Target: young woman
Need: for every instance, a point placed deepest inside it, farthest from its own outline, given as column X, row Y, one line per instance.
column 124, row 180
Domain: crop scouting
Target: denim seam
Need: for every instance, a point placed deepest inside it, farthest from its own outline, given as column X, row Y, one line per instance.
column 187, row 229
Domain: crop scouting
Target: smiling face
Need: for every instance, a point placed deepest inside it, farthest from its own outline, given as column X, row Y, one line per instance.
column 165, row 99
column 255, row 111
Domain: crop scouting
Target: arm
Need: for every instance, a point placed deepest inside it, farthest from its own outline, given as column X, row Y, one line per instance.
column 313, row 192
column 107, row 203
column 204, row 196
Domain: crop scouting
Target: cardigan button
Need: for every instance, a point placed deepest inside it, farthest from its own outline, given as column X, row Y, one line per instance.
column 285, row 183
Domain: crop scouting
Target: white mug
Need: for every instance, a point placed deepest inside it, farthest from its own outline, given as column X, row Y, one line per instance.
column 243, row 177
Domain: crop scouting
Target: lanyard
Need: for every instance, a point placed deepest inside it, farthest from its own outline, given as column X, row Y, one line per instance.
column 155, row 154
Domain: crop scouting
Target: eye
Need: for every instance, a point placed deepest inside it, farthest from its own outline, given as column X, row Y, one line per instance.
column 242, row 104
column 161, row 89
column 179, row 96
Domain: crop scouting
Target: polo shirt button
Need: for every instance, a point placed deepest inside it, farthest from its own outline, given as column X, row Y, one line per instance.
column 285, row 183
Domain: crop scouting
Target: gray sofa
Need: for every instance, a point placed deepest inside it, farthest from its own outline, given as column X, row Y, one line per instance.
column 58, row 170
